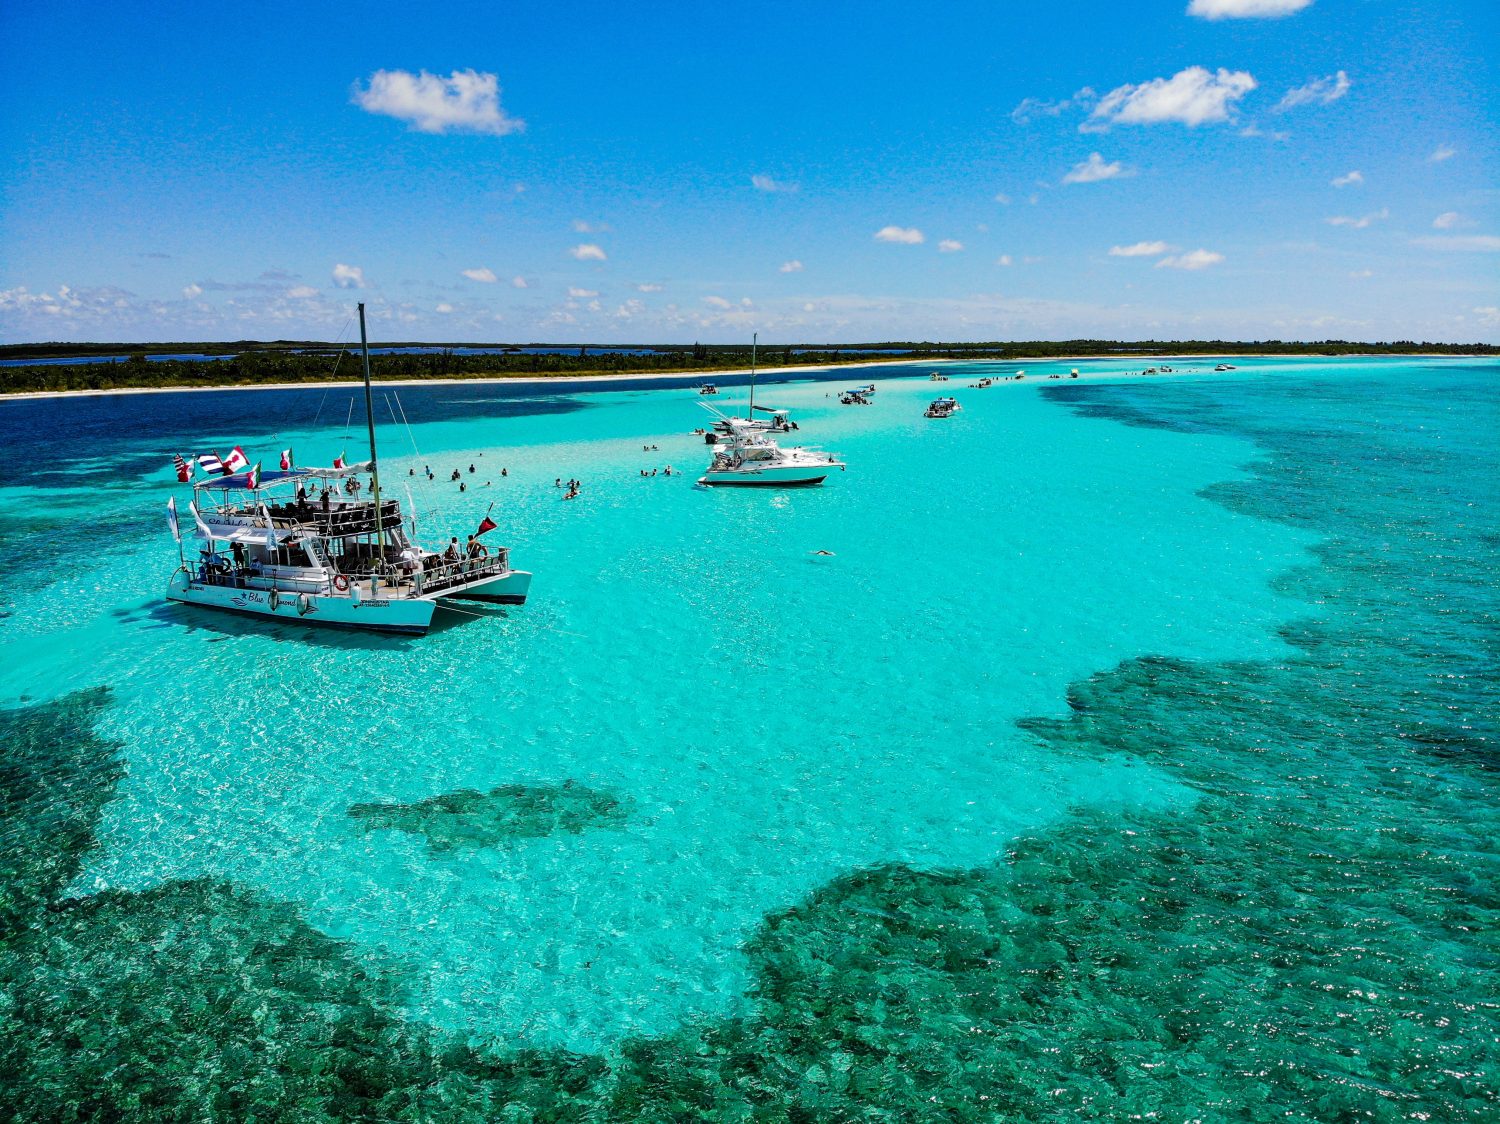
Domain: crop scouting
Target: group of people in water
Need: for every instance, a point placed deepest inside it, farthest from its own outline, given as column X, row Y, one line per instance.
column 456, row 477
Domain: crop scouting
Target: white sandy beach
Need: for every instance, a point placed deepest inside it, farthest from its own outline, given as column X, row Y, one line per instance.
column 703, row 376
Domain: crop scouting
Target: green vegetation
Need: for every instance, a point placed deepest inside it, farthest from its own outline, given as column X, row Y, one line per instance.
column 252, row 364
column 467, row 819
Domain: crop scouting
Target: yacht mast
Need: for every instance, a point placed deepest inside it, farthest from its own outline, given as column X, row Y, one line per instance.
column 754, row 336
column 364, row 345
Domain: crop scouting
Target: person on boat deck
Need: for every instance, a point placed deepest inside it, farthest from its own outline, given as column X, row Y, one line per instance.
column 411, row 560
column 476, row 548
column 238, row 550
column 325, row 501
column 451, row 554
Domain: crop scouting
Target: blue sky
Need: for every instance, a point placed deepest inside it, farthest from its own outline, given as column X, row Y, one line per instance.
column 814, row 172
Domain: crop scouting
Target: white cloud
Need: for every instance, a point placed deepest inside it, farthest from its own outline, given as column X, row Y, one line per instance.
column 647, row 287
column 1003, row 259
column 1488, row 315
column 1353, row 178
column 1361, row 274
column 1002, row 198
column 302, row 293
column 1472, row 243
column 1032, row 108
column 580, row 294
column 950, row 246
column 1257, row 131
column 764, row 182
column 348, row 276
column 464, row 102
column 1193, row 97
column 583, row 226
column 193, row 291
column 1320, row 91
column 909, row 235
column 485, row 275
column 1448, row 220
column 1195, row 259
column 1362, row 221
column 717, row 302
column 444, row 309
column 587, row 251
column 1140, row 250
column 1094, row 169
column 1245, row 9
column 793, row 266
column 519, row 283
column 1441, row 153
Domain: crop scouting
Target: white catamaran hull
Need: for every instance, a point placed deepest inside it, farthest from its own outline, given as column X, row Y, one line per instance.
column 508, row 589
column 409, row 615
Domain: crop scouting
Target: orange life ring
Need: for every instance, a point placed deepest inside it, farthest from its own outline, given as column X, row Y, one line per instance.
column 341, row 583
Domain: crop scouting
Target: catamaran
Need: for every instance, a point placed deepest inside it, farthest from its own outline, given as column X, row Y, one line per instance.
column 301, row 544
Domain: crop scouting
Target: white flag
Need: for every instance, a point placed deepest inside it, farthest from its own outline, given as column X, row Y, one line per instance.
column 172, row 519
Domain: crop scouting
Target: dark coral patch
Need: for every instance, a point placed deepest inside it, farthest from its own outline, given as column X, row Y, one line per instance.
column 467, row 819
column 56, row 776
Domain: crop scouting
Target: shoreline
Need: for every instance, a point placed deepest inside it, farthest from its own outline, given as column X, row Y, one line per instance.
column 708, row 376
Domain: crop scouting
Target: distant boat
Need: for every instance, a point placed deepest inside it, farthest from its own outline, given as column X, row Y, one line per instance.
column 942, row 408
column 1223, row 367
column 708, row 388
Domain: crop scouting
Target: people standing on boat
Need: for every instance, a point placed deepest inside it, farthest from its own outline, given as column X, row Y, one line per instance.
column 451, row 554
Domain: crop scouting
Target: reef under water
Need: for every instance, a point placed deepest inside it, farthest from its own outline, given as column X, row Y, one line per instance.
column 467, row 818
column 1316, row 938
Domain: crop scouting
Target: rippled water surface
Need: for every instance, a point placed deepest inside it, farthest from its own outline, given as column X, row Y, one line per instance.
column 1133, row 754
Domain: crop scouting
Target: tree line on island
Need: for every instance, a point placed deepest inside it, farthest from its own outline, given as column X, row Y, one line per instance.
column 251, row 363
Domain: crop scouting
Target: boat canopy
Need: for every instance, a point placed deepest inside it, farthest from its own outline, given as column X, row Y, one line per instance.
column 240, row 481
column 242, row 533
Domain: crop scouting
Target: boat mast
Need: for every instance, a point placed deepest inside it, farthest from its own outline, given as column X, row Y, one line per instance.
column 364, row 345
column 754, row 336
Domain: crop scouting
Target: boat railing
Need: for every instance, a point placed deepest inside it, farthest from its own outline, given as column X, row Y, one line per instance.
column 345, row 519
column 437, row 575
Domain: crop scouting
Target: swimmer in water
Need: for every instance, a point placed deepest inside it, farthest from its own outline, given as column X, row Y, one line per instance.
column 824, row 553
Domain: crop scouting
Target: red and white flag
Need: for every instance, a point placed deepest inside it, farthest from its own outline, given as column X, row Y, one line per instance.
column 184, row 468
column 286, row 459
column 252, row 478
column 338, row 461
column 236, row 460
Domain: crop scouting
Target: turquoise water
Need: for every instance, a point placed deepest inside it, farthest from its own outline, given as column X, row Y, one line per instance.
column 1134, row 752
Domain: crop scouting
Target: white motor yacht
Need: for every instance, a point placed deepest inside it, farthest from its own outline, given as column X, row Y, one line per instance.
column 751, row 459
column 747, row 456
column 942, row 408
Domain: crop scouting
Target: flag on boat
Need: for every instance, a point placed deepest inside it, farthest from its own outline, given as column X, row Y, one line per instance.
column 286, row 459
column 236, row 461
column 486, row 524
column 338, row 461
column 172, row 517
column 198, row 519
column 211, row 463
column 184, row 468
column 252, row 478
